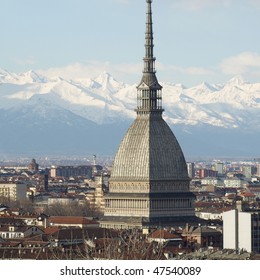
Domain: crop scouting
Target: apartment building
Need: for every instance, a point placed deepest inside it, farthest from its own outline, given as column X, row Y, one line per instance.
column 13, row 191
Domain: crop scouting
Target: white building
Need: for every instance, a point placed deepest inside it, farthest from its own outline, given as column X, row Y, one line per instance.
column 210, row 181
column 247, row 171
column 13, row 232
column 258, row 169
column 233, row 183
column 219, row 167
column 191, row 169
column 241, row 230
column 13, row 191
column 210, row 214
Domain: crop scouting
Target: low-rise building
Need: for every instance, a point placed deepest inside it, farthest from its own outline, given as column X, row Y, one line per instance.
column 202, row 237
column 233, row 182
column 255, row 190
column 163, row 236
column 210, row 181
column 72, row 221
column 210, row 214
column 13, row 231
column 247, row 196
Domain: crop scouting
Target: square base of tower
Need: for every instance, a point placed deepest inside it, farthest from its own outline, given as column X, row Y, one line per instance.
column 149, row 223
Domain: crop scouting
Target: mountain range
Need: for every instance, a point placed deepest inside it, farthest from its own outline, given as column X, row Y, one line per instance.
column 57, row 116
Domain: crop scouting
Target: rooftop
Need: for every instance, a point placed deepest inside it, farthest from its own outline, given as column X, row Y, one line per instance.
column 149, row 151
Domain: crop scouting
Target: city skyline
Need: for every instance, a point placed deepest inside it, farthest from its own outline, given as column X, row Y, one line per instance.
column 204, row 41
column 148, row 202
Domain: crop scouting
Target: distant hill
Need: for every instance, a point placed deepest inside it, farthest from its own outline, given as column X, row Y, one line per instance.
column 40, row 115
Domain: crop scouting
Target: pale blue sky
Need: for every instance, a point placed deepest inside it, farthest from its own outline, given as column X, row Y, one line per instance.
column 195, row 40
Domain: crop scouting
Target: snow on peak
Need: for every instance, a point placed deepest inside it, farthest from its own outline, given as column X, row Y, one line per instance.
column 236, row 81
column 4, row 72
column 89, row 83
column 108, row 83
column 32, row 77
column 103, row 98
column 7, row 77
column 22, row 78
column 104, row 76
column 207, row 87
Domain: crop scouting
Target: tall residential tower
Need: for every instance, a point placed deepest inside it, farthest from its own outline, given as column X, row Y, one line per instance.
column 149, row 184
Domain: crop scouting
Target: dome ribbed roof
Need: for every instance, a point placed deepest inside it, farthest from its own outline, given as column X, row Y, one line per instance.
column 149, row 151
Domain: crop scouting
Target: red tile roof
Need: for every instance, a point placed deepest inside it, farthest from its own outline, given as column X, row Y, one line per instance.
column 163, row 234
column 51, row 230
column 247, row 195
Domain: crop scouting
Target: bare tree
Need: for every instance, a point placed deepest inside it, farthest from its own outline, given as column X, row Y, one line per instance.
column 72, row 209
column 25, row 205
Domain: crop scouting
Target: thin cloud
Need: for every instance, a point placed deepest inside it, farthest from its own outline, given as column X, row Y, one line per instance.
column 243, row 63
column 91, row 69
column 255, row 3
column 191, row 70
column 246, row 64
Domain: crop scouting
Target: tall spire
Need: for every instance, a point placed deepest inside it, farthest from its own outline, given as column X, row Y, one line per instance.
column 149, row 59
column 149, row 99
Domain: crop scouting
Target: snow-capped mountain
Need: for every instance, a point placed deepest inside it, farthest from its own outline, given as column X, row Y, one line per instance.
column 32, row 103
column 91, row 99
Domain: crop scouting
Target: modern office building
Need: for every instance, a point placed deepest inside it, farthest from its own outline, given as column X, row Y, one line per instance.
column 241, row 230
column 219, row 167
column 191, row 169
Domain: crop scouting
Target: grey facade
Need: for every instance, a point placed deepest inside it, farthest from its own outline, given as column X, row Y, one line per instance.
column 70, row 171
column 149, row 184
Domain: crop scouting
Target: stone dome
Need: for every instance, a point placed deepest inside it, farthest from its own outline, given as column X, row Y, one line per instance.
column 149, row 151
